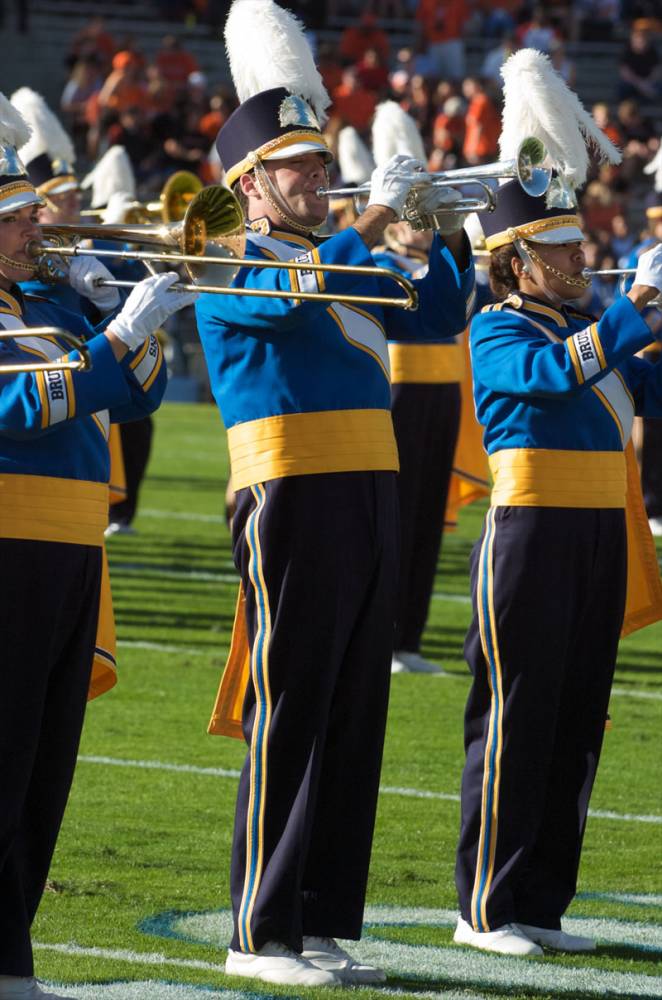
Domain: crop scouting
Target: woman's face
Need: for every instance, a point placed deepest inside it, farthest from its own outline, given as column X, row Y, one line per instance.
column 567, row 258
column 17, row 228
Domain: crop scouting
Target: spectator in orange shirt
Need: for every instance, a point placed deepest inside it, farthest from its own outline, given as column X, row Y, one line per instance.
column 441, row 25
column 356, row 39
column 124, row 87
column 352, row 103
column 483, row 124
column 92, row 40
column 372, row 72
column 175, row 63
column 448, row 127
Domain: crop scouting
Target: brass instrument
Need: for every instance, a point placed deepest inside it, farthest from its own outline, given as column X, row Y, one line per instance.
column 176, row 195
column 622, row 271
column 525, row 167
column 82, row 364
column 210, row 242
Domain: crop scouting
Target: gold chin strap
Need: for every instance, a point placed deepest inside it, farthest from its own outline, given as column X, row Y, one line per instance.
column 17, row 265
column 580, row 282
column 269, row 192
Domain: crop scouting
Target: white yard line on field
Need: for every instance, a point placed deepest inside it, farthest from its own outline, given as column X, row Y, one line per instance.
column 414, row 793
column 181, row 515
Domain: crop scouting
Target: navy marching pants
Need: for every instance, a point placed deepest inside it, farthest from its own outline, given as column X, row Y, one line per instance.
column 549, row 592
column 318, row 560
column 49, row 602
column 426, row 420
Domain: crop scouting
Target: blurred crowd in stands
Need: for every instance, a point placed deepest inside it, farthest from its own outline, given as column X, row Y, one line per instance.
column 165, row 113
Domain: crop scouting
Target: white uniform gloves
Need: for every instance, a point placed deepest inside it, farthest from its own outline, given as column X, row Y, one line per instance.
column 148, row 306
column 649, row 268
column 432, row 201
column 84, row 272
column 391, row 183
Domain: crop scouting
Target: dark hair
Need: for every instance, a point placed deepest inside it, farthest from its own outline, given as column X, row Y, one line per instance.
column 503, row 280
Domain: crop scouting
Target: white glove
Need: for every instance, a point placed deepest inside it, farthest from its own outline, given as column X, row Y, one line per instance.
column 391, row 183
column 433, row 201
column 84, row 272
column 649, row 268
column 148, row 307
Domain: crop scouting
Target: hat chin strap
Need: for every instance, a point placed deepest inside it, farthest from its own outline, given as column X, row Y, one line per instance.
column 271, row 194
column 18, row 265
column 529, row 257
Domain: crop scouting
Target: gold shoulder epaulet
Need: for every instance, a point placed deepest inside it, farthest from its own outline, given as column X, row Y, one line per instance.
column 488, row 308
column 516, row 301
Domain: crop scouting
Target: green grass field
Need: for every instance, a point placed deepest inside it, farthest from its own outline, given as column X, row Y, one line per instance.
column 137, row 900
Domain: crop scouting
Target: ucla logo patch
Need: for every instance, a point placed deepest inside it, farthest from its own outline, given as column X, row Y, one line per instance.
column 294, row 110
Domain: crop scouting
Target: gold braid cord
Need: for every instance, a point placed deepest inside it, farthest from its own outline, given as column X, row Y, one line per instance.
column 267, row 190
column 28, row 268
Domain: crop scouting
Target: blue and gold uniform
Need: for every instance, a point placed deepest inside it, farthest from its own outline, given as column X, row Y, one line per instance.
column 425, row 403
column 304, row 392
column 54, row 469
column 556, row 394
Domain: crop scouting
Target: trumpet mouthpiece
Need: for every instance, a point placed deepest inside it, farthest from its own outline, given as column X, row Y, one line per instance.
column 33, row 249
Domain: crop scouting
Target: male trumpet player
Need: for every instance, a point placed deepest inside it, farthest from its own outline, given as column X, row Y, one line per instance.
column 303, row 389
column 53, row 510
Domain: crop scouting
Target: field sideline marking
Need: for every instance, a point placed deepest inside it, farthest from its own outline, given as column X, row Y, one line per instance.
column 414, row 793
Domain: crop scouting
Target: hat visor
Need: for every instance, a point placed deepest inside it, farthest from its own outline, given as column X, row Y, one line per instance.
column 19, row 200
column 297, row 148
column 564, row 234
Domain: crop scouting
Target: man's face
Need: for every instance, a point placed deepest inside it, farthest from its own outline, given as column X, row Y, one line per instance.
column 16, row 229
column 66, row 209
column 297, row 179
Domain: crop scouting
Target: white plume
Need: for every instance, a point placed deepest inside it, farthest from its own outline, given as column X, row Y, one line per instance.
column 14, row 130
column 355, row 161
column 111, row 174
column 48, row 135
column 539, row 103
column 655, row 168
column 394, row 131
column 267, row 48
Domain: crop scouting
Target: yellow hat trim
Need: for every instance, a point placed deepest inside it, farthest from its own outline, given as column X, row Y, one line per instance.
column 530, row 229
column 282, row 142
column 54, row 182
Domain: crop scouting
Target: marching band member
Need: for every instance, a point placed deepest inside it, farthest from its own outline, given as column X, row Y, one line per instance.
column 651, row 445
column 425, row 390
column 303, row 389
column 556, row 393
column 53, row 508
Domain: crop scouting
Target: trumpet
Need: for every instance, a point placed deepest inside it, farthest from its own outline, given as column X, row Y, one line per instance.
column 524, row 167
column 176, row 195
column 210, row 242
column 81, row 364
column 623, row 272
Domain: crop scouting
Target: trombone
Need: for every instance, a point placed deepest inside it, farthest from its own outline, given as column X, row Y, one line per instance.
column 210, row 242
column 81, row 364
column 176, row 195
column 524, row 167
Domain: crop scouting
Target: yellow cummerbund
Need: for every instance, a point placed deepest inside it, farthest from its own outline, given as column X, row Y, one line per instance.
column 47, row 509
column 540, row 477
column 426, row 362
column 299, row 444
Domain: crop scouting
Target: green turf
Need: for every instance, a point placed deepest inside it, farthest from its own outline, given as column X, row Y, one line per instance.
column 139, row 844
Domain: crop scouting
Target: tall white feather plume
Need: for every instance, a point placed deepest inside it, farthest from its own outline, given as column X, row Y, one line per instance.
column 112, row 173
column 539, row 103
column 267, row 48
column 655, row 168
column 355, row 161
column 14, row 130
column 48, row 135
column 394, row 131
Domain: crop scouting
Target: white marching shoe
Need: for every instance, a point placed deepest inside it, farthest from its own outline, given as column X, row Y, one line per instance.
column 557, row 940
column 25, row 988
column 274, row 963
column 506, row 940
column 326, row 953
column 655, row 524
column 404, row 662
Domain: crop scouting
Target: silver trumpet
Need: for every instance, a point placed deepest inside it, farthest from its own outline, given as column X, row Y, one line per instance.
column 623, row 272
column 525, row 168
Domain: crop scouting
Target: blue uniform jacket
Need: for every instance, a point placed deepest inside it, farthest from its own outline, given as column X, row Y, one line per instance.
column 305, row 387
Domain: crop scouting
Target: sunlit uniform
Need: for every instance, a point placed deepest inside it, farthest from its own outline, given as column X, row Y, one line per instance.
column 556, row 394
column 304, row 391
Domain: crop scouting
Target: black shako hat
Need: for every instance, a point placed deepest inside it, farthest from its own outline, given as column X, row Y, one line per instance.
column 51, row 176
column 271, row 125
column 519, row 215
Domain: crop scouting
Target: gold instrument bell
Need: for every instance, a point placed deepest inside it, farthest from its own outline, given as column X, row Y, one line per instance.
column 176, row 195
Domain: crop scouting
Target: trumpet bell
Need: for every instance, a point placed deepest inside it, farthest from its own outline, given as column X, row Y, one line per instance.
column 533, row 178
column 177, row 194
